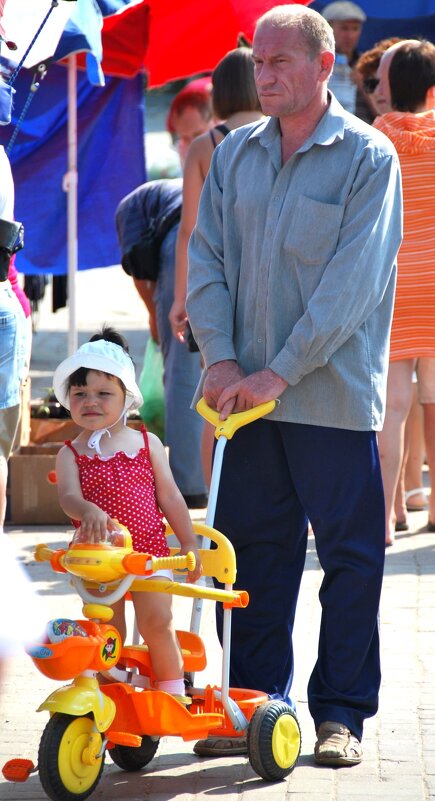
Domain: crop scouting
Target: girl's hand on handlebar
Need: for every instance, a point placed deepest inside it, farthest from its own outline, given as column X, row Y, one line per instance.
column 192, row 575
column 95, row 524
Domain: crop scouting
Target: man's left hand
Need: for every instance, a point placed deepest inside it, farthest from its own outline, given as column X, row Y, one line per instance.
column 250, row 391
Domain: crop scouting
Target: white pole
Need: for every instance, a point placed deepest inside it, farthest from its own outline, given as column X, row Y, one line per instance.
column 195, row 620
column 70, row 186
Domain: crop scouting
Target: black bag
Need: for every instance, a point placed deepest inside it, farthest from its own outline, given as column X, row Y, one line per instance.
column 142, row 261
column 34, row 288
column 11, row 240
column 190, row 340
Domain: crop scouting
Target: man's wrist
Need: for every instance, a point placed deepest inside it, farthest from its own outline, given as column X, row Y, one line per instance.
column 223, row 362
column 276, row 375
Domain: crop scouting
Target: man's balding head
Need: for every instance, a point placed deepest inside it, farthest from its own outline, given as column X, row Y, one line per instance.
column 382, row 93
column 412, row 77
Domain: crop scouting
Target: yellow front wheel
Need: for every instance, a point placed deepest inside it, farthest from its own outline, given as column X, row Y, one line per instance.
column 274, row 740
column 69, row 768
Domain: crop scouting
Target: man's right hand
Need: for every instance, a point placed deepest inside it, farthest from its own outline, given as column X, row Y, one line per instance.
column 220, row 376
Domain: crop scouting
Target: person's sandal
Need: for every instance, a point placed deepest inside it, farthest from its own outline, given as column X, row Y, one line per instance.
column 336, row 745
column 221, row 746
column 416, row 507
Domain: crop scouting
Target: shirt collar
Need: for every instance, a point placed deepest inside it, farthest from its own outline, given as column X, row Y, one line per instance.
column 329, row 129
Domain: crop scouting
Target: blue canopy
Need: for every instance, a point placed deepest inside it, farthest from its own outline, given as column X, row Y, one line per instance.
column 110, row 155
column 405, row 18
column 110, row 122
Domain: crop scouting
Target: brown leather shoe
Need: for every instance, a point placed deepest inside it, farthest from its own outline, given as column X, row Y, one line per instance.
column 221, row 746
column 336, row 745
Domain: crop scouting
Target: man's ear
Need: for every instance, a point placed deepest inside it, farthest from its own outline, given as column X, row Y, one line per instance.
column 326, row 64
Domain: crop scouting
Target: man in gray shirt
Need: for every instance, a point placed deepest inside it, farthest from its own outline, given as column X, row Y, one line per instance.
column 291, row 290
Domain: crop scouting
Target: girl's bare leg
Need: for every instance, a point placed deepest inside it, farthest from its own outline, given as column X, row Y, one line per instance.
column 155, row 623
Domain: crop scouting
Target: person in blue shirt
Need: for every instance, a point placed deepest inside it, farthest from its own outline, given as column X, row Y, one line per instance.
column 292, row 269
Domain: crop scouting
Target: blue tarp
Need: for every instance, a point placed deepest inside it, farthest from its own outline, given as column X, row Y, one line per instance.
column 110, row 156
column 405, row 18
column 110, row 164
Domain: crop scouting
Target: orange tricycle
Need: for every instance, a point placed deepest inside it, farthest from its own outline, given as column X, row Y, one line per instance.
column 127, row 716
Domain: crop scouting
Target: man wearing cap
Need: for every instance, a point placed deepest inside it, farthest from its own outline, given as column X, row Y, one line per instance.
column 346, row 20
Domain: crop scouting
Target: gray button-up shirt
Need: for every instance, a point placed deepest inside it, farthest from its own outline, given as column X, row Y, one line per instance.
column 292, row 266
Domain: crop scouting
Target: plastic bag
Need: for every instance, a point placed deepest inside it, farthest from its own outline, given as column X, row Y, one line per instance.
column 152, row 411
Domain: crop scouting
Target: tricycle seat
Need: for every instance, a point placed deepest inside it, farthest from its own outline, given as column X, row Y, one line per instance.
column 192, row 649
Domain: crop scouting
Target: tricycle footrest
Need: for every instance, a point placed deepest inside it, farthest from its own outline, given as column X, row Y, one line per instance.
column 124, row 738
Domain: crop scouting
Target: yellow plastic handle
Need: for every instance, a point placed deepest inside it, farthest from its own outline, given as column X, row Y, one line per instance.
column 227, row 428
column 43, row 553
column 139, row 563
column 173, row 562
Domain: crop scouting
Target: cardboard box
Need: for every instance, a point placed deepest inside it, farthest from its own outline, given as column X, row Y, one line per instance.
column 56, row 431
column 52, row 430
column 33, row 499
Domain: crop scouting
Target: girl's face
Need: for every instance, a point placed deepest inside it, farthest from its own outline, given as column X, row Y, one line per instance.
column 99, row 403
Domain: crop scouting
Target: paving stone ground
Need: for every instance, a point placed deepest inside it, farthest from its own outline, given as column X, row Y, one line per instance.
column 399, row 743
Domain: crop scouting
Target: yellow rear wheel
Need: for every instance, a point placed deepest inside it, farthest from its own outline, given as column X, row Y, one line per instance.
column 274, row 740
column 69, row 767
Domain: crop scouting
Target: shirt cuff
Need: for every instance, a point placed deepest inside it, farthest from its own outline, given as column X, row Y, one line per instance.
column 288, row 368
column 217, row 350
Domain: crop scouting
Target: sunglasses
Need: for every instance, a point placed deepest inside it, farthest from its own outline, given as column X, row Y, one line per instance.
column 370, row 85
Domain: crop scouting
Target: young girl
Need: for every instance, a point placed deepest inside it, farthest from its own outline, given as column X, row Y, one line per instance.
column 113, row 473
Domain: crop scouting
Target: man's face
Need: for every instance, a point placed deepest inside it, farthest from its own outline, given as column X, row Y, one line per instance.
column 188, row 125
column 346, row 35
column 288, row 79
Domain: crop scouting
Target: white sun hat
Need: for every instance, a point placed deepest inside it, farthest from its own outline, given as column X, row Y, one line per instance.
column 107, row 357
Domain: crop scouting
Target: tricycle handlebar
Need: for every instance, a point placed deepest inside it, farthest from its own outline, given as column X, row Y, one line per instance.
column 110, row 564
column 45, row 554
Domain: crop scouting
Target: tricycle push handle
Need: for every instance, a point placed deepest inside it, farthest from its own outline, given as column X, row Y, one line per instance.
column 227, row 428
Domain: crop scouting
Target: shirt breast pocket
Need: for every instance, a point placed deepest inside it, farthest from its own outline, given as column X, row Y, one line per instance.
column 314, row 229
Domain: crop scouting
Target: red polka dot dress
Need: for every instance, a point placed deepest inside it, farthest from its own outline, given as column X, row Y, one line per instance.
column 124, row 487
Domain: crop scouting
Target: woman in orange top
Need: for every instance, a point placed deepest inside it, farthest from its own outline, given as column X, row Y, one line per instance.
column 411, row 128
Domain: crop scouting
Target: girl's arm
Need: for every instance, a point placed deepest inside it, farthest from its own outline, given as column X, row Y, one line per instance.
column 94, row 523
column 198, row 159
column 172, row 503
